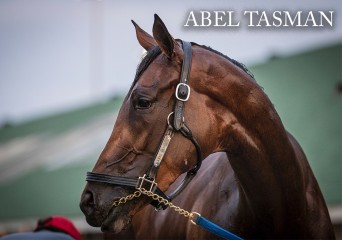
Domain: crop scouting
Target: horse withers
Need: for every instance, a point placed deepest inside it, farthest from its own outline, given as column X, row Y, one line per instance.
column 186, row 102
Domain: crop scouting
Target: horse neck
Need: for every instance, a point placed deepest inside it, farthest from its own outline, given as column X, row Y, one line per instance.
column 255, row 140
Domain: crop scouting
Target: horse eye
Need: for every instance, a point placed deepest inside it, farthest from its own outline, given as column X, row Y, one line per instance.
column 142, row 103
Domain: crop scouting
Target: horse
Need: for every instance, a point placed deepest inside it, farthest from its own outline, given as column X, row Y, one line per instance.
column 189, row 102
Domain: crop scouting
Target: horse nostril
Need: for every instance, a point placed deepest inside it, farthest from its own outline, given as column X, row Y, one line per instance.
column 89, row 198
column 87, row 202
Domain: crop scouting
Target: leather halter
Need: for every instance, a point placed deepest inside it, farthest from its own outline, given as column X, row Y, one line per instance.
column 147, row 182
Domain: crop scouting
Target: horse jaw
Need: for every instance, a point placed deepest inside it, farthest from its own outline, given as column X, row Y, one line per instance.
column 116, row 221
column 117, row 226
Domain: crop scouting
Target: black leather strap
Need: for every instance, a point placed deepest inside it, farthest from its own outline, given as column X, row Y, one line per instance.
column 127, row 182
column 104, row 178
column 183, row 90
column 192, row 173
column 188, row 134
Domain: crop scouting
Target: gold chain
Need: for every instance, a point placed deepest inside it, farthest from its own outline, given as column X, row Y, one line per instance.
column 122, row 200
column 164, row 201
column 158, row 198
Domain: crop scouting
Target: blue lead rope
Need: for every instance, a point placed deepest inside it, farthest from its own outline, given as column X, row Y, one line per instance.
column 217, row 230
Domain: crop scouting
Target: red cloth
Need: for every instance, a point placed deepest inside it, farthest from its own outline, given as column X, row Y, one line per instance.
column 62, row 223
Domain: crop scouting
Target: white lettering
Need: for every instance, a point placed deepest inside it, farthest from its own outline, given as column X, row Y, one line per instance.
column 277, row 18
column 191, row 18
column 260, row 19
column 230, row 23
column 292, row 21
column 310, row 18
column 203, row 13
column 251, row 17
column 329, row 20
column 263, row 18
column 217, row 18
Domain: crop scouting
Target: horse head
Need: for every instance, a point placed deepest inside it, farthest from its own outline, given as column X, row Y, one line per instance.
column 145, row 115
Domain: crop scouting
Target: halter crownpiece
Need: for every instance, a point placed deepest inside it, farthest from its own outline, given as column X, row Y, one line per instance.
column 148, row 182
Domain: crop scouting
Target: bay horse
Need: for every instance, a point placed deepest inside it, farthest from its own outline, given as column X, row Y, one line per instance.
column 187, row 102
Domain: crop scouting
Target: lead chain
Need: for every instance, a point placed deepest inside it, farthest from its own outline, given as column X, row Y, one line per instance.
column 158, row 198
column 122, row 200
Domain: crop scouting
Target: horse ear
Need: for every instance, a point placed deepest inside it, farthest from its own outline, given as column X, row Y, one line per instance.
column 145, row 39
column 163, row 37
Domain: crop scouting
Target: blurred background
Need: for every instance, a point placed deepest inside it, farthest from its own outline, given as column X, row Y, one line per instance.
column 66, row 65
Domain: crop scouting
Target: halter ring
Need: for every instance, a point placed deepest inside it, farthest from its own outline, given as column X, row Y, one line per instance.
column 168, row 118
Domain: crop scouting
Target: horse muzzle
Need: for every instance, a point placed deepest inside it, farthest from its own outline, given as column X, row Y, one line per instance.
column 97, row 205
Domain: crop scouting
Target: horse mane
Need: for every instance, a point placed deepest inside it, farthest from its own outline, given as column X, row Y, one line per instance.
column 235, row 62
column 155, row 51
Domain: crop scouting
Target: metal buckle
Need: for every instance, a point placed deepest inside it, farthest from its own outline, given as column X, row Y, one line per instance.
column 147, row 184
column 188, row 91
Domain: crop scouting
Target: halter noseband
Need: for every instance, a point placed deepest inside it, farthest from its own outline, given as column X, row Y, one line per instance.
column 148, row 180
